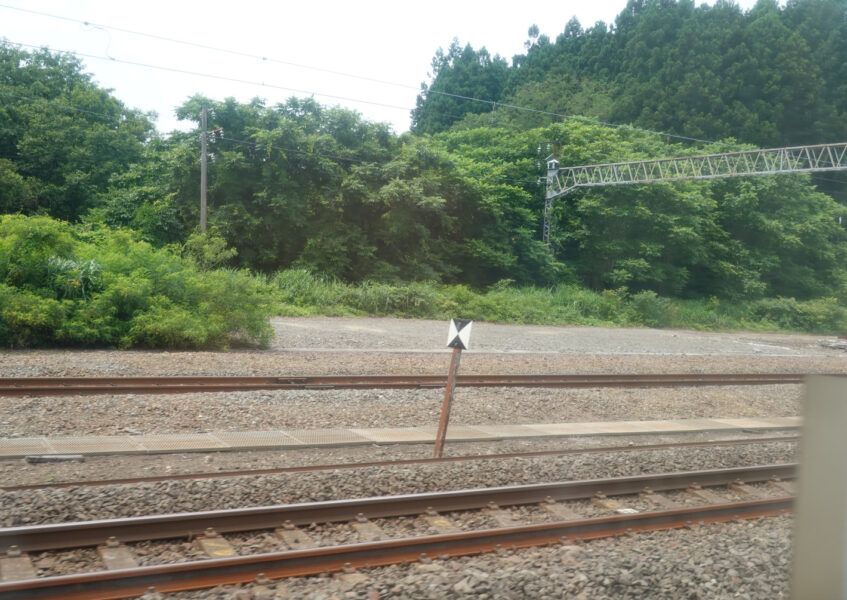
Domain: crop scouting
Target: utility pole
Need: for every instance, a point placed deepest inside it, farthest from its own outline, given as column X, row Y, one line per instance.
column 203, row 172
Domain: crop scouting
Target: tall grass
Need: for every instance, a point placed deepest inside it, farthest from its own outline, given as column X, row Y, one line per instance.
column 301, row 293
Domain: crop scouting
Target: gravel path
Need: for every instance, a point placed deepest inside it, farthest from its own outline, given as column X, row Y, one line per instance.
column 406, row 334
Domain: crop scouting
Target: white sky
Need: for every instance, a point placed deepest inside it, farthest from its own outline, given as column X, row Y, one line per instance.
column 393, row 41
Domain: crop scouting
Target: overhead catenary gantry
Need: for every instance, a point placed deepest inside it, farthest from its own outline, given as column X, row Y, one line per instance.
column 774, row 161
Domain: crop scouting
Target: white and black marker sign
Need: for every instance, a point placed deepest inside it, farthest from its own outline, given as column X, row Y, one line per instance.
column 459, row 335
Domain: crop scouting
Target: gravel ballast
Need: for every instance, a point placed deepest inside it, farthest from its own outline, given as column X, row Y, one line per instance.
column 734, row 560
column 32, row 507
column 748, row 560
column 327, row 409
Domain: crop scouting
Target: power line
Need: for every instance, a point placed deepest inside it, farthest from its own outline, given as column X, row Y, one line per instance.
column 212, row 76
column 208, row 47
column 246, row 142
column 47, row 102
column 492, row 103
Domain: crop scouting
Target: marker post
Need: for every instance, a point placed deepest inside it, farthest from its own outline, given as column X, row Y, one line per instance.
column 458, row 338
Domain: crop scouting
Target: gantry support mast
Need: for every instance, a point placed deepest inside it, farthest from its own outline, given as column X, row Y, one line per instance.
column 775, row 161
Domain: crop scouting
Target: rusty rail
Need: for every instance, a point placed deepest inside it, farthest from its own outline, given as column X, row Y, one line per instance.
column 63, row 386
column 215, row 572
column 92, row 533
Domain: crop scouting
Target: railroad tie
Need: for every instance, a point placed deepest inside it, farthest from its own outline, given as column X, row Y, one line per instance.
column 294, row 538
column 368, row 531
column 783, row 487
column 16, row 565
column 745, row 491
column 214, row 545
column 559, row 510
column 116, row 556
column 503, row 518
column 350, row 578
column 704, row 495
column 657, row 500
column 601, row 501
column 440, row 523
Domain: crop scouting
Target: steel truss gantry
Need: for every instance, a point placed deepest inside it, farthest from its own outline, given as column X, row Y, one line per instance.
column 774, row 161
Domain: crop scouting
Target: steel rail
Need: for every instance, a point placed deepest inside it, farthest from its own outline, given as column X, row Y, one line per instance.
column 54, row 386
column 392, row 463
column 228, row 571
column 92, row 533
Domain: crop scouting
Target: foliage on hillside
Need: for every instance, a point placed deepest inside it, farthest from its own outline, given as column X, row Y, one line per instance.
column 319, row 189
column 771, row 76
column 61, row 285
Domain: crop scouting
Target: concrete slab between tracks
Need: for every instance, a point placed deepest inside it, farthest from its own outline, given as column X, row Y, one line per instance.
column 223, row 441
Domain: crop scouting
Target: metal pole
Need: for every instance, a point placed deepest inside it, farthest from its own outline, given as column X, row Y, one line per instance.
column 203, row 172
column 448, row 400
column 552, row 171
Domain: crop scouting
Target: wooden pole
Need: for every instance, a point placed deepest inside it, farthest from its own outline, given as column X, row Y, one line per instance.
column 448, row 400
column 203, row 172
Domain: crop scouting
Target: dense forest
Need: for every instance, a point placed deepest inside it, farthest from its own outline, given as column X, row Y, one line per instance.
column 316, row 189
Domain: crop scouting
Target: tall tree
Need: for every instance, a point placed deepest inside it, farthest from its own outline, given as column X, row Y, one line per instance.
column 463, row 80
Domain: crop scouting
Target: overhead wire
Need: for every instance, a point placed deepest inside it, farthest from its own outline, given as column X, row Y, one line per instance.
column 494, row 104
column 222, row 137
column 208, row 47
column 246, row 142
column 211, row 76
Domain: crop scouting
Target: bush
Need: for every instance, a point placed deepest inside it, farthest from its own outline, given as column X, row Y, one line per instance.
column 303, row 293
column 652, row 310
column 26, row 318
column 26, row 246
column 819, row 315
column 68, row 286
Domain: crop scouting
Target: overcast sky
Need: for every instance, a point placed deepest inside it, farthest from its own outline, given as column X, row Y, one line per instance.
column 391, row 41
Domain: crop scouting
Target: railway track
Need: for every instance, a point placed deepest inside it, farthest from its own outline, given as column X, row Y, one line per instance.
column 63, row 386
column 394, row 463
column 659, row 492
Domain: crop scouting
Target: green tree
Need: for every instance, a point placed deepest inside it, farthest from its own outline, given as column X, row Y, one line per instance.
column 61, row 136
column 463, row 80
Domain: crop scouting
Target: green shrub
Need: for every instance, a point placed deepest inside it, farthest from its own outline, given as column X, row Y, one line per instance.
column 72, row 278
column 27, row 319
column 651, row 309
column 819, row 315
column 26, row 247
column 301, row 293
column 165, row 325
column 68, row 286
